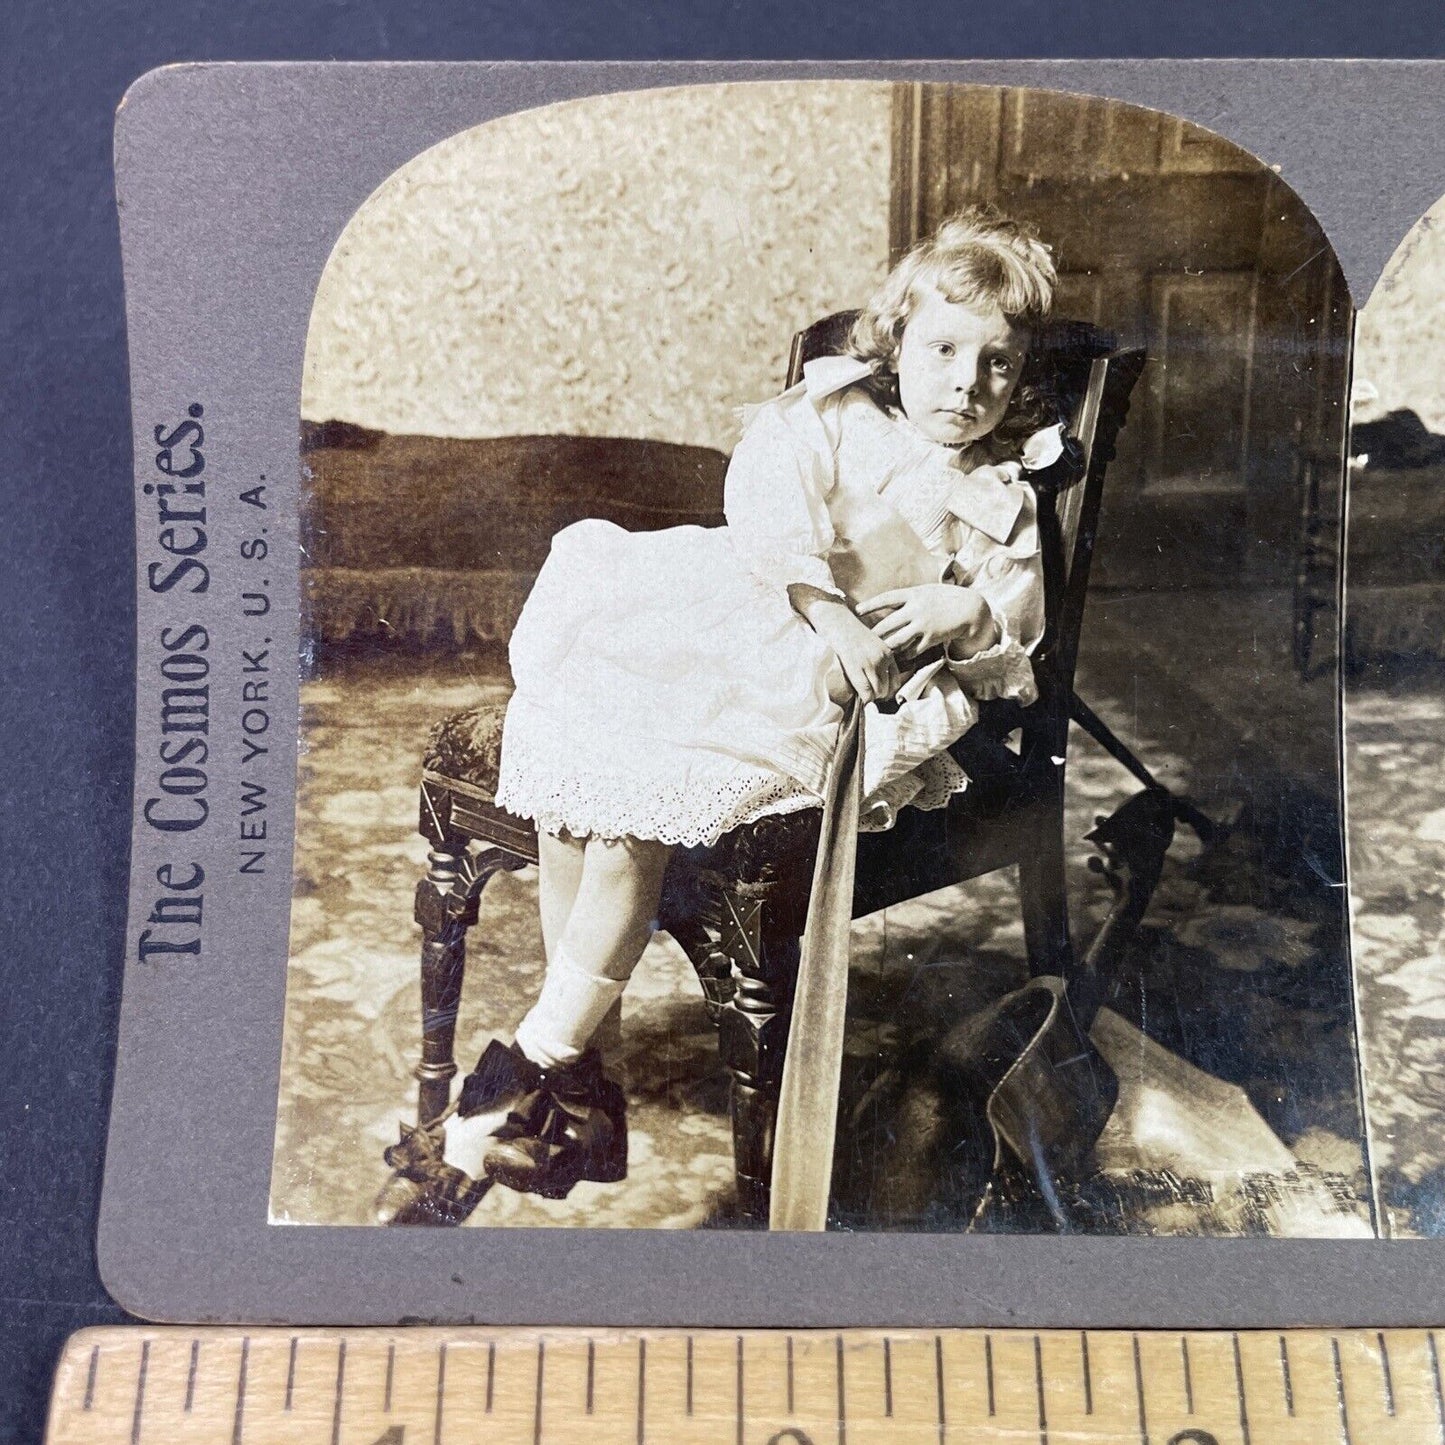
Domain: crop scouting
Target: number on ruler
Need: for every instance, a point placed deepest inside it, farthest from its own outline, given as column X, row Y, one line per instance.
column 791, row 1436
column 395, row 1436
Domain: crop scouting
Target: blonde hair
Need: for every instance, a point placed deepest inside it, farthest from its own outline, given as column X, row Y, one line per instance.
column 978, row 257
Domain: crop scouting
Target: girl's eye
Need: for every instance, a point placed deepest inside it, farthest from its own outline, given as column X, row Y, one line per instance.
column 1002, row 365
column 943, row 349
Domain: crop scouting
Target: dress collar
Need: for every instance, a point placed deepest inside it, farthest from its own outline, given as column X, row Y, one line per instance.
column 825, row 375
column 988, row 503
column 984, row 499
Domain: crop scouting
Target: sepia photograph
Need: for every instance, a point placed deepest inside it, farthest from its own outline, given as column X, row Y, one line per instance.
column 1394, row 696
column 821, row 664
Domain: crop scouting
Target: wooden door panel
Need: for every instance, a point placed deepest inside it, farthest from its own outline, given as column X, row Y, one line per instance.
column 1188, row 148
column 1080, row 297
column 1054, row 136
column 1143, row 224
column 1170, row 236
column 1202, row 345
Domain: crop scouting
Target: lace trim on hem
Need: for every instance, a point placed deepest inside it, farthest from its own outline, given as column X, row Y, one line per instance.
column 633, row 813
column 931, row 785
column 683, row 815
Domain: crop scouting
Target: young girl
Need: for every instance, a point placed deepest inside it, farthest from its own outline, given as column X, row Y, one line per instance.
column 880, row 543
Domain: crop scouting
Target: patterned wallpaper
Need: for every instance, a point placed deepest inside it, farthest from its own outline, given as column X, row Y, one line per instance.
column 1401, row 342
column 629, row 265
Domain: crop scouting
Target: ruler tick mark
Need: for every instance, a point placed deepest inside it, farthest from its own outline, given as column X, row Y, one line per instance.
column 436, row 1434
column 1435, row 1376
column 239, row 1424
column 153, row 1394
column 641, row 1389
column 738, row 1391
column 140, row 1392
column 160, row 1382
column 1340, row 1391
column 938, row 1385
column 95, row 1366
column 1239, row 1390
column 191, row 1378
column 1139, row 1392
column 1039, row 1390
column 340, row 1385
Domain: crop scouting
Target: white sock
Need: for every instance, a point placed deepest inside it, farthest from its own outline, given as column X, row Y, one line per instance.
column 572, row 1004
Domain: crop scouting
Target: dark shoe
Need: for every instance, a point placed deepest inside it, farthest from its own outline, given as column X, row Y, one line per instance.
column 570, row 1126
column 503, row 1076
column 423, row 1188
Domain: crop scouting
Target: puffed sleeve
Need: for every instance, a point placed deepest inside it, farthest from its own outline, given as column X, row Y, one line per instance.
column 1010, row 577
column 775, row 497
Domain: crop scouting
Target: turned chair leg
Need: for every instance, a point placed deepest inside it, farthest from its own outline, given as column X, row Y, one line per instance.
column 753, row 1040
column 443, row 962
column 446, row 907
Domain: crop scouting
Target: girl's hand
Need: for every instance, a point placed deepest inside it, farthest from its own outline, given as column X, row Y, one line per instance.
column 912, row 620
column 867, row 662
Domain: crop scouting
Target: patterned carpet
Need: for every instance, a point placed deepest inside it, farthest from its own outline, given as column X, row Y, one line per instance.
column 1231, row 1029
column 1395, row 735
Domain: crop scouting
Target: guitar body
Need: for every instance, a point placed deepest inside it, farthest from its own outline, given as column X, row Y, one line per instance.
column 1043, row 1089
column 1009, row 1104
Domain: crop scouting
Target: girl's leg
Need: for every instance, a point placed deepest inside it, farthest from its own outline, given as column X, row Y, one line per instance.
column 559, row 874
column 612, row 918
column 614, row 912
column 559, row 877
column 593, row 941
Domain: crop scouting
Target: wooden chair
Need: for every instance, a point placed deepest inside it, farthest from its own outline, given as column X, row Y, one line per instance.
column 737, row 908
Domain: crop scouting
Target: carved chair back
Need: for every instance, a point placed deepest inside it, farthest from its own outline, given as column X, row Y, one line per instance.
column 1016, row 797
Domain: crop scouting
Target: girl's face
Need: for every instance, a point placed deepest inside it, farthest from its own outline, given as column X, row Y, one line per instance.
column 957, row 369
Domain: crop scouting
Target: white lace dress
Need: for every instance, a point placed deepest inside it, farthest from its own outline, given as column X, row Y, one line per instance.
column 667, row 689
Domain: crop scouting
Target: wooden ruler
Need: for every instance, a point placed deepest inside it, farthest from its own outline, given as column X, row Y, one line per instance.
column 173, row 1386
